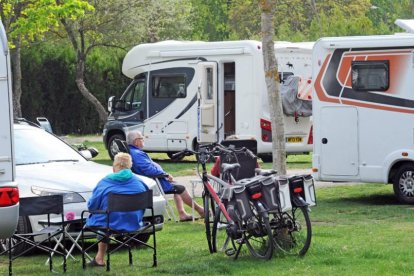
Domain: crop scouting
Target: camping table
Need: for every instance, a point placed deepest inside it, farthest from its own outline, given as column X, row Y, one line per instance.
column 194, row 183
column 66, row 224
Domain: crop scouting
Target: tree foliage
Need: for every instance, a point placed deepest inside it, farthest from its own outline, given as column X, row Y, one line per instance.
column 383, row 14
column 27, row 20
column 210, row 20
column 302, row 20
column 31, row 19
column 50, row 91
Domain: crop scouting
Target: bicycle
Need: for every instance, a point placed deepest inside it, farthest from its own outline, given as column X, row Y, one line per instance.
column 288, row 212
column 291, row 228
column 251, row 227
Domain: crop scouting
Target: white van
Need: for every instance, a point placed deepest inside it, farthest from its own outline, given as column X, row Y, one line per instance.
column 363, row 110
column 9, row 193
column 185, row 93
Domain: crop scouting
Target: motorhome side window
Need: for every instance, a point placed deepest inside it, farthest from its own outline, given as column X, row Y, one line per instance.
column 169, row 86
column 209, row 74
column 370, row 75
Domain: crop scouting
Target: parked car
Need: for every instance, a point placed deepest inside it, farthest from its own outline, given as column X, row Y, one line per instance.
column 47, row 165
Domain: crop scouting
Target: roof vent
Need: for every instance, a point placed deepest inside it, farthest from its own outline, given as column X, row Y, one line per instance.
column 406, row 24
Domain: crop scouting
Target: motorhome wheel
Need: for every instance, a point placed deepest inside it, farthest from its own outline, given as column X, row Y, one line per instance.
column 404, row 184
column 112, row 147
column 179, row 158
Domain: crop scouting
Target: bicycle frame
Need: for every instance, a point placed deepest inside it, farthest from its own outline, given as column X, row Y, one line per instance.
column 208, row 187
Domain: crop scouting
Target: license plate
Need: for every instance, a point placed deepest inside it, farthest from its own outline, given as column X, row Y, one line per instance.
column 294, row 139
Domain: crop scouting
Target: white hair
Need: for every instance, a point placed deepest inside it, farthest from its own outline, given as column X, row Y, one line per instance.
column 132, row 136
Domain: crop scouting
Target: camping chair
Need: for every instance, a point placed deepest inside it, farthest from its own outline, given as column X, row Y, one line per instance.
column 32, row 206
column 123, row 147
column 169, row 209
column 123, row 203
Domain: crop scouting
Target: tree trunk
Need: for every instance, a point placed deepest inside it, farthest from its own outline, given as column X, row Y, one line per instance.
column 273, row 86
column 80, row 70
column 79, row 48
column 17, row 78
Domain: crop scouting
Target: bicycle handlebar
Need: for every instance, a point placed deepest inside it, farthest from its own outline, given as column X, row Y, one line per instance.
column 206, row 151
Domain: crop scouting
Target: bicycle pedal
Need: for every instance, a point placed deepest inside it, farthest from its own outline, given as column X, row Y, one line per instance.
column 240, row 241
column 230, row 252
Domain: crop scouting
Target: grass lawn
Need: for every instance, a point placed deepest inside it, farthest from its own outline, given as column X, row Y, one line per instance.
column 357, row 230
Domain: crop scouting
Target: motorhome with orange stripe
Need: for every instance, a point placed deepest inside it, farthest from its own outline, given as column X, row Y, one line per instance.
column 363, row 109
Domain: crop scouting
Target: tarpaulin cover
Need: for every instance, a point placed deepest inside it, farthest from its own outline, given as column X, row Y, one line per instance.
column 292, row 105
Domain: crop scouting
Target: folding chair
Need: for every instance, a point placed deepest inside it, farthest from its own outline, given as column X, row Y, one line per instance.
column 123, row 203
column 169, row 209
column 31, row 206
column 123, row 147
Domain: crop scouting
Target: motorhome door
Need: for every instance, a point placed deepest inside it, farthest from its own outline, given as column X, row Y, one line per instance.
column 207, row 103
column 339, row 140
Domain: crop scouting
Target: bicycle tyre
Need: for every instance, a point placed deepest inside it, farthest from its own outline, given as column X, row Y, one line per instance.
column 207, row 220
column 222, row 242
column 217, row 184
column 259, row 238
column 292, row 231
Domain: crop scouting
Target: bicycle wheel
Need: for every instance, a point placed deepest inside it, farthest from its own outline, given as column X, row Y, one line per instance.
column 212, row 196
column 222, row 242
column 207, row 219
column 258, row 236
column 292, row 231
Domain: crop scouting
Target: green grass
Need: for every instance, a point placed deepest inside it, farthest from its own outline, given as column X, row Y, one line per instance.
column 357, row 230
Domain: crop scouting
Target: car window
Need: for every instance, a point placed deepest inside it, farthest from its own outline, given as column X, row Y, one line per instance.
column 37, row 146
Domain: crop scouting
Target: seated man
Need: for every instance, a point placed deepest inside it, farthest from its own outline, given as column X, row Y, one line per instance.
column 142, row 164
column 122, row 181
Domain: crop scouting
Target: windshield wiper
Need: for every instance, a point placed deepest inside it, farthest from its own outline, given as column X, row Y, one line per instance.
column 31, row 163
column 62, row 160
column 49, row 161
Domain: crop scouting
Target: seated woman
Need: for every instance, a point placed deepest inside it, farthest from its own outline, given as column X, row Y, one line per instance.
column 121, row 181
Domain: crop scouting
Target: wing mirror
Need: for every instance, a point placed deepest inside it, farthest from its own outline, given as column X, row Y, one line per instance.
column 111, row 103
column 88, row 153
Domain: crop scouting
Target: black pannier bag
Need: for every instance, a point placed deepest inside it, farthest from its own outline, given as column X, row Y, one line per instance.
column 304, row 186
column 284, row 192
column 238, row 206
column 271, row 193
column 266, row 186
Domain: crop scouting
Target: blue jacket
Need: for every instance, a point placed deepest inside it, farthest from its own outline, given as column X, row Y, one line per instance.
column 142, row 164
column 122, row 182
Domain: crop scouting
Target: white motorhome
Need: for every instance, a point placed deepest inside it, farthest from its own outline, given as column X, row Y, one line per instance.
column 9, row 194
column 185, row 93
column 363, row 110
